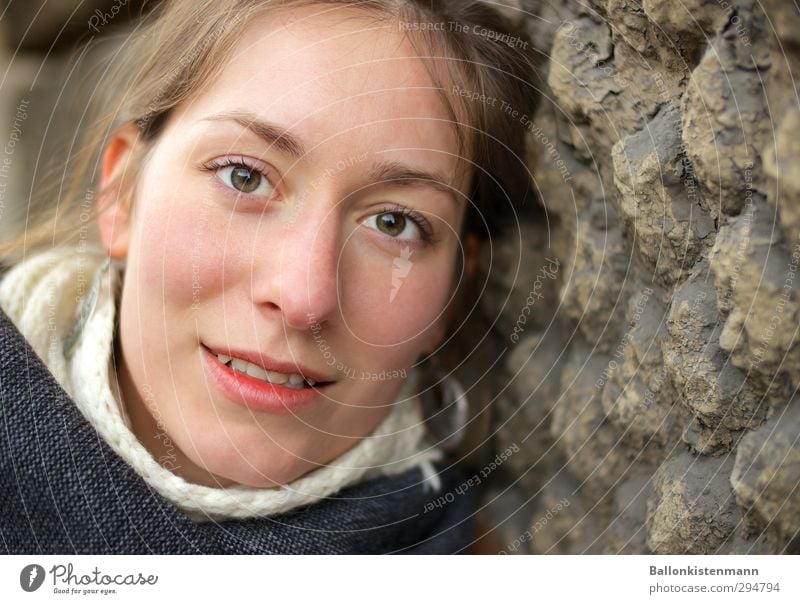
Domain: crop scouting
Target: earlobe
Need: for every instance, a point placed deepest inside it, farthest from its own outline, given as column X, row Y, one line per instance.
column 114, row 201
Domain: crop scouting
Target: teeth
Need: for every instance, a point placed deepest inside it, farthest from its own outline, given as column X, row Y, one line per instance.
column 276, row 378
column 239, row 365
column 256, row 372
column 292, row 380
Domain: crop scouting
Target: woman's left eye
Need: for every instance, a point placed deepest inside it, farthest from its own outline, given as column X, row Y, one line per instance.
column 396, row 224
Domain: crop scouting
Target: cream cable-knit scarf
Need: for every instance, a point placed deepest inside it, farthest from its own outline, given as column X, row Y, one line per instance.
column 41, row 295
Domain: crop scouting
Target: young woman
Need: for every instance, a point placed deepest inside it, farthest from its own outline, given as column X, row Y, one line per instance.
column 291, row 198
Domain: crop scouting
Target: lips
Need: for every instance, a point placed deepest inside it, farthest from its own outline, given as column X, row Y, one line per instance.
column 269, row 364
column 260, row 395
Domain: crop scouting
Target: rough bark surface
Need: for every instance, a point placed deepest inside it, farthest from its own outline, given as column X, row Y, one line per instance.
column 658, row 399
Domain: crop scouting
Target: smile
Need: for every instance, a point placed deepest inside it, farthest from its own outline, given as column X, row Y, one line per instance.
column 291, row 380
column 253, row 386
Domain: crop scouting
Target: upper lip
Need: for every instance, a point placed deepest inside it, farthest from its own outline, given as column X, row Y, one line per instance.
column 269, row 364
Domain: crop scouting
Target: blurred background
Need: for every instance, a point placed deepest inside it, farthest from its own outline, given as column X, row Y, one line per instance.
column 48, row 79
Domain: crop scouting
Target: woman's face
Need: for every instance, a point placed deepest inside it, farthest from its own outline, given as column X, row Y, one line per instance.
column 323, row 252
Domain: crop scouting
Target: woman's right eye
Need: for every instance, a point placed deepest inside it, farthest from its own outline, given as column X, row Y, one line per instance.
column 237, row 174
column 243, row 179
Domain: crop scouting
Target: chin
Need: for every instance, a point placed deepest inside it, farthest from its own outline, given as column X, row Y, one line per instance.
column 277, row 470
column 267, row 479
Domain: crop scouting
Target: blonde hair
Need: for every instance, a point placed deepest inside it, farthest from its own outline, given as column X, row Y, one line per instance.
column 181, row 44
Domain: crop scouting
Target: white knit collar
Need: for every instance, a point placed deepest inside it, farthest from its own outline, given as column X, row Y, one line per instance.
column 50, row 285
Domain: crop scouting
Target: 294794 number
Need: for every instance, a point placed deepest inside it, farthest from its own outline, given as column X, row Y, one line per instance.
column 748, row 587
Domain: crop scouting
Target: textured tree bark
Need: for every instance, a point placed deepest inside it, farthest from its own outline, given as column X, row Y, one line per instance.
column 660, row 402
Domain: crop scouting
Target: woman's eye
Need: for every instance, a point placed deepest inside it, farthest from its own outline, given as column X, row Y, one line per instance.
column 394, row 224
column 245, row 180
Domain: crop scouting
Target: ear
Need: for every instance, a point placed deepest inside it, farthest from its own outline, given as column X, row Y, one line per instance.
column 114, row 202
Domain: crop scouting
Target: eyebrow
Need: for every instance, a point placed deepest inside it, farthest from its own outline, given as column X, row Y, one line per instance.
column 273, row 134
column 396, row 174
column 388, row 173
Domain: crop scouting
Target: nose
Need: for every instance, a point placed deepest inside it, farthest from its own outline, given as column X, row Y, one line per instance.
column 305, row 280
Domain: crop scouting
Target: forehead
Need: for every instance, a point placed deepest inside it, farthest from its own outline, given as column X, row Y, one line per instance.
column 341, row 80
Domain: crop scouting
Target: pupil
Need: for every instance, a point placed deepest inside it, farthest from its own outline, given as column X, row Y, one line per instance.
column 391, row 223
column 245, row 180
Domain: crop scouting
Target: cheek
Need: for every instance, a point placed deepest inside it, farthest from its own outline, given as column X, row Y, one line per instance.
column 178, row 262
column 399, row 302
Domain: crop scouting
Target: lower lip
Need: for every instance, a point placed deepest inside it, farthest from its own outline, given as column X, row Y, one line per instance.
column 256, row 394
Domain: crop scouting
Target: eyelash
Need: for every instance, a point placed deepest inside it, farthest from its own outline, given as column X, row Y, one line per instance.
column 242, row 162
column 417, row 218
